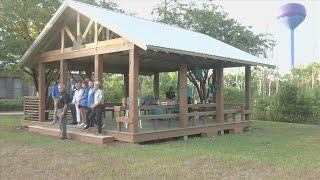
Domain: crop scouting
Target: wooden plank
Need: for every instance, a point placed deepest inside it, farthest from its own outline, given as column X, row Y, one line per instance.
column 103, row 47
column 133, row 89
column 78, row 25
column 247, row 90
column 162, row 117
column 98, row 68
column 183, row 103
column 69, row 34
column 42, row 91
column 156, row 86
column 87, row 29
column 63, row 72
column 62, row 41
column 219, row 94
column 95, row 32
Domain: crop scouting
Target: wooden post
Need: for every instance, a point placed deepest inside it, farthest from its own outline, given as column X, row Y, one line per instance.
column 98, row 68
column 156, row 86
column 78, row 26
column 247, row 90
column 133, row 89
column 63, row 72
column 126, row 84
column 219, row 95
column 42, row 92
column 95, row 32
column 183, row 109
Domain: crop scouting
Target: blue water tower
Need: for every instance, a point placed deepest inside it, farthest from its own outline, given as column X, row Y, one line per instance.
column 291, row 15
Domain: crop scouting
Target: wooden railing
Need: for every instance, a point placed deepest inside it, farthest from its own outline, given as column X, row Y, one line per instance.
column 31, row 108
column 197, row 112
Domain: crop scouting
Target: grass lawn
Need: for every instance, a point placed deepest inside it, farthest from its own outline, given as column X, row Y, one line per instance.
column 270, row 151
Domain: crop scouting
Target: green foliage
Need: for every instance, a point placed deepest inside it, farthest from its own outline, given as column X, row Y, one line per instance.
column 11, row 105
column 113, row 87
column 233, row 95
column 167, row 80
column 290, row 104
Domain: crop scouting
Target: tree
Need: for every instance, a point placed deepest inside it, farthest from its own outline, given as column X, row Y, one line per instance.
column 211, row 20
column 20, row 23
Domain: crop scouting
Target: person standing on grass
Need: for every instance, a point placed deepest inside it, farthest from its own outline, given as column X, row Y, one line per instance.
column 55, row 94
column 90, row 101
column 98, row 105
column 76, row 101
column 83, row 103
column 62, row 105
column 71, row 90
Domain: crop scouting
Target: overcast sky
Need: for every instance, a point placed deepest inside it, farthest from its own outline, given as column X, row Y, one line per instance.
column 261, row 15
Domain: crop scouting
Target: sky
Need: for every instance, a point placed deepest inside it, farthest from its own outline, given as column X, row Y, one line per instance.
column 261, row 15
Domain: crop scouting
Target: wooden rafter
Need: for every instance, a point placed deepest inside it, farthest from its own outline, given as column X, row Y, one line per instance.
column 69, row 33
column 87, row 29
column 100, row 30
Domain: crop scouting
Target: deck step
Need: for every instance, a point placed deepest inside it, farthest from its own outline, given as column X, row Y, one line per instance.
column 73, row 135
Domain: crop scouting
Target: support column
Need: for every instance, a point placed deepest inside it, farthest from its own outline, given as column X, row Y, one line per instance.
column 183, row 103
column 247, row 91
column 219, row 95
column 156, row 86
column 63, row 72
column 42, row 92
column 98, row 68
column 126, row 84
column 133, row 89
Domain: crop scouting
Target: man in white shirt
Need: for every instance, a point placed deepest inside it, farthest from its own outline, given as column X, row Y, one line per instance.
column 98, row 105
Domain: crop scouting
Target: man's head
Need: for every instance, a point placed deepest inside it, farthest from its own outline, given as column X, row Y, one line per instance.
column 71, row 81
column 78, row 85
column 87, row 80
column 84, row 84
column 97, row 85
column 91, row 85
column 61, row 88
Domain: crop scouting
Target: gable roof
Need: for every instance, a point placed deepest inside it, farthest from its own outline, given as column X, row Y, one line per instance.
column 147, row 34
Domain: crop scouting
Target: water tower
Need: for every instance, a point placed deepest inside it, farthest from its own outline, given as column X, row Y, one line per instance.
column 291, row 15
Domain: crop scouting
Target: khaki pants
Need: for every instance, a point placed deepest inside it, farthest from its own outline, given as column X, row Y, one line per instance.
column 63, row 123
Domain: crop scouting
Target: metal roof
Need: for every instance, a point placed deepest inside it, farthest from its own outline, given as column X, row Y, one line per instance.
column 152, row 35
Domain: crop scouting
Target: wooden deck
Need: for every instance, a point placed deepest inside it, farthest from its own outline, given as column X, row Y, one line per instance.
column 109, row 134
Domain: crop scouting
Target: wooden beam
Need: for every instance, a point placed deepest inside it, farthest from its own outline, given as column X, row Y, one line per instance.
column 103, row 47
column 42, row 91
column 63, row 71
column 247, row 90
column 126, row 84
column 100, row 30
column 156, row 86
column 62, row 41
column 98, row 68
column 107, row 34
column 87, row 29
column 69, row 34
column 133, row 89
column 78, row 26
column 219, row 94
column 95, row 32
column 183, row 103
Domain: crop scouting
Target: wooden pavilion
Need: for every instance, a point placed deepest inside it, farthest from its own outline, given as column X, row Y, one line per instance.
column 93, row 39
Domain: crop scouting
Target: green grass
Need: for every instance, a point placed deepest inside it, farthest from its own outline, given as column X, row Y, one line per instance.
column 271, row 150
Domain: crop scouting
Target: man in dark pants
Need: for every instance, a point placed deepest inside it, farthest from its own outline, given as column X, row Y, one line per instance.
column 98, row 105
column 71, row 90
column 90, row 101
column 62, row 110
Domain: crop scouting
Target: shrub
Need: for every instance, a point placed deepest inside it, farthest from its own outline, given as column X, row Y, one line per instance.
column 11, row 105
column 233, row 95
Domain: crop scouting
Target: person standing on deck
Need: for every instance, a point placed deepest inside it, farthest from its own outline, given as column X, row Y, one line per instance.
column 98, row 105
column 90, row 101
column 71, row 90
column 55, row 94
column 62, row 110
column 76, row 101
column 83, row 103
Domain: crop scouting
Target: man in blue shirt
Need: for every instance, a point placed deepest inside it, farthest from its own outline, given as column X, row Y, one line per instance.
column 90, row 101
column 55, row 94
